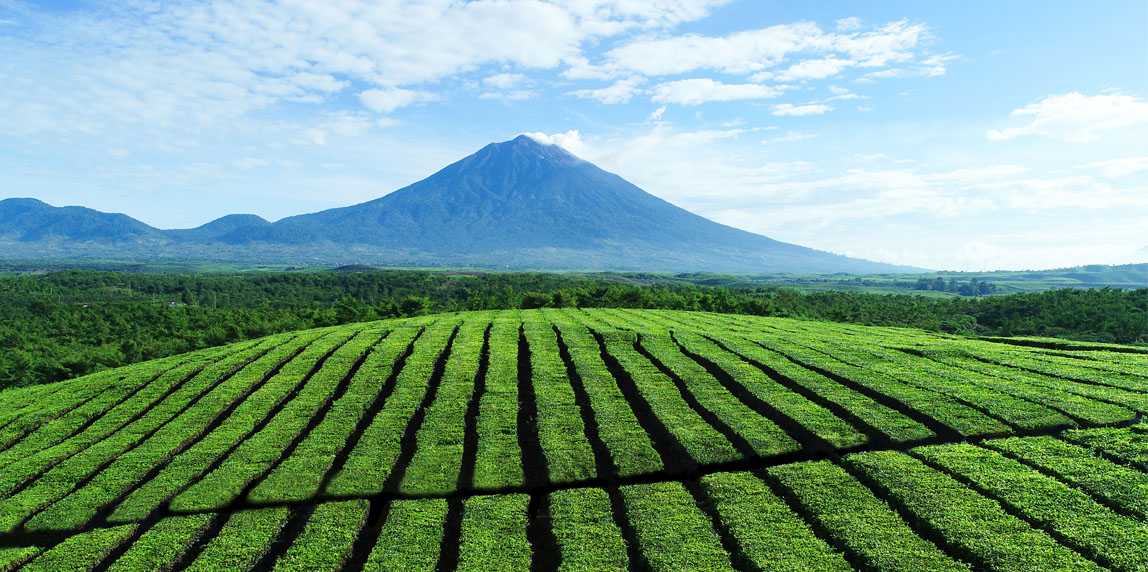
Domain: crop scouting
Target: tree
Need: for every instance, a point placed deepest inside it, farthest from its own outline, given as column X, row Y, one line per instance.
column 415, row 305
column 532, row 300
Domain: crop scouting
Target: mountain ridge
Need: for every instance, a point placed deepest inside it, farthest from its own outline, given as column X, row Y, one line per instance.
column 513, row 204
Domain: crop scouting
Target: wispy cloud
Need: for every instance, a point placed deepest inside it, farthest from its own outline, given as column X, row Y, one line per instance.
column 1119, row 168
column 703, row 90
column 388, row 100
column 791, row 110
column 1075, row 117
column 753, row 51
column 190, row 63
column 620, row 91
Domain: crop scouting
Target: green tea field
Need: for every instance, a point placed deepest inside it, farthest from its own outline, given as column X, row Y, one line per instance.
column 564, row 439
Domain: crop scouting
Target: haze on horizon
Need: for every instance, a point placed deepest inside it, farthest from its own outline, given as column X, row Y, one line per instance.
column 978, row 135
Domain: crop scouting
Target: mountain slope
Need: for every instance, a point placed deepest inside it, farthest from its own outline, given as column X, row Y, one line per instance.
column 219, row 227
column 518, row 194
column 29, row 220
column 516, row 204
column 523, row 200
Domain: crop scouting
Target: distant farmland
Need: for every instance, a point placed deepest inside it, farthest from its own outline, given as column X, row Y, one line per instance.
column 586, row 440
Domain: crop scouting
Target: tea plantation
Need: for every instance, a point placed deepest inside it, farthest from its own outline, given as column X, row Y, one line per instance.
column 565, row 439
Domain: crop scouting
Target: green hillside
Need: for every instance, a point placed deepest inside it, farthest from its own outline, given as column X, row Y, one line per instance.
column 586, row 440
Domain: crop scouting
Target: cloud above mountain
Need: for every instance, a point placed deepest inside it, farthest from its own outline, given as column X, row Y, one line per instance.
column 190, row 63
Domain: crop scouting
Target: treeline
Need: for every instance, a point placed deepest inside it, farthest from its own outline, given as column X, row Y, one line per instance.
column 60, row 325
column 972, row 287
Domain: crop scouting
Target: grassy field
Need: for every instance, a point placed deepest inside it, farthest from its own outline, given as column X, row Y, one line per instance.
column 1003, row 282
column 562, row 439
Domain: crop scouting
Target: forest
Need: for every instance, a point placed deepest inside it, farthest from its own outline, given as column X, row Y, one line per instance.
column 59, row 325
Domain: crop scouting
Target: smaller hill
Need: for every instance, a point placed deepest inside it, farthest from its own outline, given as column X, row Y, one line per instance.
column 219, row 228
column 30, row 220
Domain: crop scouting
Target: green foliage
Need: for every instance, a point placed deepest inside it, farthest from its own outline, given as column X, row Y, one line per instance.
column 371, row 461
column 586, row 531
column 410, row 537
column 256, row 455
column 163, row 544
column 12, row 557
column 437, row 461
column 1117, row 541
column 700, row 440
column 661, row 440
column 764, row 437
column 65, row 324
column 630, row 449
column 244, row 539
column 494, row 534
column 560, row 430
column 672, row 533
column 817, row 419
column 770, row 535
column 1121, row 486
column 300, row 475
column 950, row 412
column 977, row 526
column 498, row 459
column 892, row 424
column 76, row 553
column 325, row 543
column 858, row 520
column 1128, row 444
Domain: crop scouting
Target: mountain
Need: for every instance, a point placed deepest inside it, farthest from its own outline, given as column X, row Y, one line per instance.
column 219, row 227
column 517, row 204
column 29, row 220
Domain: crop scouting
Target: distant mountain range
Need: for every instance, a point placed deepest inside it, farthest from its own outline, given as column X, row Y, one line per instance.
column 518, row 204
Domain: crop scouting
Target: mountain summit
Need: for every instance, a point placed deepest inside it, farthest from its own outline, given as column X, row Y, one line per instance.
column 516, row 204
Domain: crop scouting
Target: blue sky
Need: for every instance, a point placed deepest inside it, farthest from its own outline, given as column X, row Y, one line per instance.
column 956, row 135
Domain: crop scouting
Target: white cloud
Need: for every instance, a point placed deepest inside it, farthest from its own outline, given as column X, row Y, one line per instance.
column 324, row 83
column 171, row 65
column 342, row 124
column 793, row 52
column 1118, row 168
column 841, row 94
column 657, row 114
column 612, row 16
column 1075, row 117
column 753, row 51
column 881, row 74
column 620, row 91
column 504, row 80
column 791, row 110
column 509, row 95
column 508, row 87
column 388, row 100
column 702, row 90
column 848, row 24
column 936, row 65
column 813, row 69
column 790, row 137
column 569, row 140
